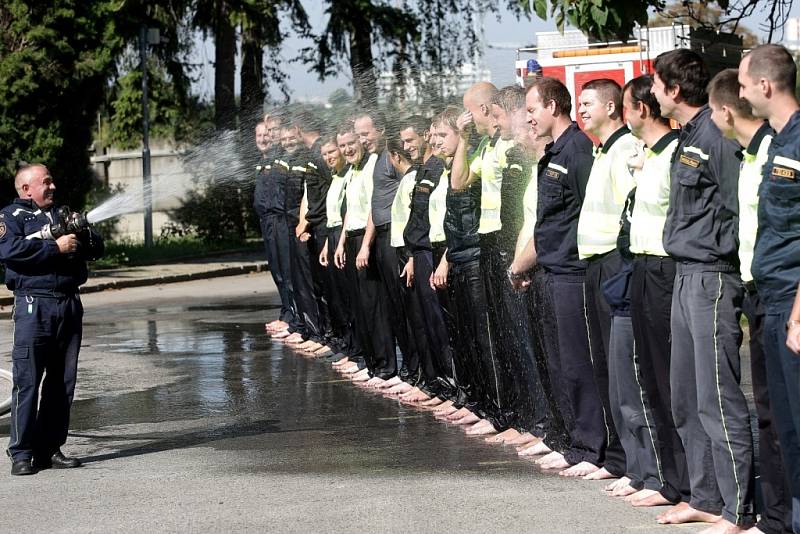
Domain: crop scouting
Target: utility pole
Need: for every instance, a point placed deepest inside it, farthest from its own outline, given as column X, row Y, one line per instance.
column 146, row 36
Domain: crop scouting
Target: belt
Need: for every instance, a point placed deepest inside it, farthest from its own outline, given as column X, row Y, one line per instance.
column 355, row 233
column 750, row 287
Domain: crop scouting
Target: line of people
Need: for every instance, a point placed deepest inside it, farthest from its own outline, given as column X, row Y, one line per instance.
column 581, row 303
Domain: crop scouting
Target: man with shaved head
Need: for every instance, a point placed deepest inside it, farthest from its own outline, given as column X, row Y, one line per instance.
column 44, row 274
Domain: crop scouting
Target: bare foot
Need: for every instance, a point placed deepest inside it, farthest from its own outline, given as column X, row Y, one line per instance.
column 481, row 428
column 503, row 436
column 432, row 402
column 754, row 530
column 281, row 334
column 624, row 491
column 683, row 513
column 444, row 409
column 340, row 362
column 468, row 419
column 374, row 382
column 391, row 382
column 528, row 444
column 579, row 470
column 458, row 414
column 360, row 376
column 624, row 481
column 414, row 396
column 600, row 474
column 554, row 460
column 646, row 498
column 293, row 339
column 523, row 439
column 323, row 349
column 399, row 389
column 723, row 526
column 349, row 369
column 537, row 449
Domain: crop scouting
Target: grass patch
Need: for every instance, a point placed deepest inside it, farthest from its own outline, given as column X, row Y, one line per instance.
column 128, row 253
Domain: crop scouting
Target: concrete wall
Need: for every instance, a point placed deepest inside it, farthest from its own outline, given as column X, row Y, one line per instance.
column 170, row 183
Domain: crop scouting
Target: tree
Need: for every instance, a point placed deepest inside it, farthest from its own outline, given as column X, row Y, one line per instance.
column 353, row 27
column 55, row 58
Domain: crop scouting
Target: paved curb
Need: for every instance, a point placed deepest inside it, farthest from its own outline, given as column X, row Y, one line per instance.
column 156, row 280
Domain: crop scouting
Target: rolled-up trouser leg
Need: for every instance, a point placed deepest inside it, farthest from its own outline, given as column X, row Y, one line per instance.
column 598, row 323
column 783, row 377
column 571, row 369
column 713, row 420
column 272, row 230
column 303, row 285
column 630, row 408
column 776, row 497
column 651, row 308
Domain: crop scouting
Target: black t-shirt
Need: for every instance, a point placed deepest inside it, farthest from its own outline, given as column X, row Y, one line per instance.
column 418, row 229
column 318, row 181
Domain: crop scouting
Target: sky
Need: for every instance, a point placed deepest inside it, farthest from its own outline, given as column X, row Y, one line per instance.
column 507, row 32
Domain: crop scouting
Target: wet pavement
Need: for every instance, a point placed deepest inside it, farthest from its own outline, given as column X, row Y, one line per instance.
column 189, row 419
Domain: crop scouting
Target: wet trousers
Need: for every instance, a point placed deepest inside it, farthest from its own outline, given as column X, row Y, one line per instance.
column 303, row 285
column 567, row 346
column 708, row 406
column 373, row 315
column 340, row 305
column 276, row 243
column 651, row 308
column 47, row 339
column 776, row 509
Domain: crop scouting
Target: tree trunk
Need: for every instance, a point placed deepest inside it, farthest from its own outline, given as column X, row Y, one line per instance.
column 224, row 68
column 251, row 102
column 365, row 89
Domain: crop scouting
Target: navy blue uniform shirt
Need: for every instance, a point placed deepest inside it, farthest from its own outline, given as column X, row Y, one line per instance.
column 270, row 192
column 776, row 261
column 35, row 266
column 702, row 223
column 318, row 181
column 417, row 231
column 563, row 173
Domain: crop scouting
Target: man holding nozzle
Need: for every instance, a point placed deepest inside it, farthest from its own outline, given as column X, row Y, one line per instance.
column 45, row 258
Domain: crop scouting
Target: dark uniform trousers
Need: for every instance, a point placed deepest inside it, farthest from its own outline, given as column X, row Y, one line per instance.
column 540, row 306
column 386, row 258
column 783, row 377
column 340, row 303
column 47, row 338
column 775, row 511
column 276, row 241
column 651, row 308
column 508, row 319
column 319, row 276
column 571, row 374
column 303, row 284
column 471, row 309
column 708, row 406
column 373, row 328
column 598, row 323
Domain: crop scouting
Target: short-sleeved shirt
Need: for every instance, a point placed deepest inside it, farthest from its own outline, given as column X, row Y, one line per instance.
column 750, row 177
column 401, row 207
column 334, row 200
column 488, row 165
column 419, row 229
column 385, row 181
column 563, row 174
column 609, row 184
column 652, row 197
column 359, row 192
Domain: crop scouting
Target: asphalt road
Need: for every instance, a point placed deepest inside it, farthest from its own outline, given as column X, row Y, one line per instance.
column 190, row 420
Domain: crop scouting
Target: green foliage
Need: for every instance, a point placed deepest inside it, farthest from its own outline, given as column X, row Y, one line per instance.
column 601, row 19
column 173, row 117
column 166, row 249
column 55, row 57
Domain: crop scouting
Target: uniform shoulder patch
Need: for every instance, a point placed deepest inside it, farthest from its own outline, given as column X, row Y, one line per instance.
column 691, row 162
column 2, row 229
column 783, row 172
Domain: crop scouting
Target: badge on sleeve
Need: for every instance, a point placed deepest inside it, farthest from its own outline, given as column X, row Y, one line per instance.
column 2, row 229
